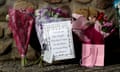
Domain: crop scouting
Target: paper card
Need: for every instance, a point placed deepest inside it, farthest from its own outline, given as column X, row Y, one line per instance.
column 59, row 42
column 59, row 39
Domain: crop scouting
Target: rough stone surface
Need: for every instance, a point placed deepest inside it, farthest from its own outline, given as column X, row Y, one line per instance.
column 5, row 4
column 15, row 66
column 1, row 31
column 3, row 13
column 103, row 4
column 5, row 45
column 14, row 54
column 22, row 4
column 31, row 54
column 2, row 2
column 8, row 33
column 1, row 47
column 3, row 24
column 53, row 1
column 84, row 1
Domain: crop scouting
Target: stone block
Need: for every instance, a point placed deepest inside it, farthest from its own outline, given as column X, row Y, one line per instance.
column 103, row 4
column 31, row 54
column 7, row 33
column 5, row 46
column 1, row 32
column 18, row 4
column 3, row 14
column 2, row 2
column 84, row 1
column 53, row 1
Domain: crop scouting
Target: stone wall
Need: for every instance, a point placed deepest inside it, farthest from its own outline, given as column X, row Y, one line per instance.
column 8, row 48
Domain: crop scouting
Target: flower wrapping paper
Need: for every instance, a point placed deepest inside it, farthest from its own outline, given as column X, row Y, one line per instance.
column 20, row 23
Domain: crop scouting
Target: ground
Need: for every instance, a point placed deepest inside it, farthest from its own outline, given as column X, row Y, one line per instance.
column 15, row 66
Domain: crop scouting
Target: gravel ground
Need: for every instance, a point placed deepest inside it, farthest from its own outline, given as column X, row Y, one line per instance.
column 15, row 66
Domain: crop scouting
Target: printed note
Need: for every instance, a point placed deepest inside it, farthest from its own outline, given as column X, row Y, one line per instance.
column 59, row 37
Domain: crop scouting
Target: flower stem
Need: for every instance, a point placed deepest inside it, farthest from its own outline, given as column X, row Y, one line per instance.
column 23, row 61
column 41, row 62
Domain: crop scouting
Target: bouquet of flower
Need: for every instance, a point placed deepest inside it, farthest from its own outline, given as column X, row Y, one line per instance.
column 107, row 26
column 20, row 23
column 48, row 15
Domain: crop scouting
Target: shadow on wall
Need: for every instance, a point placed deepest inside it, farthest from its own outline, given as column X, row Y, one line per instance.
column 77, row 47
column 2, row 2
column 112, row 49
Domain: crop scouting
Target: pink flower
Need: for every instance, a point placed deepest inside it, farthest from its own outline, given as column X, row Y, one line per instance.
column 107, row 24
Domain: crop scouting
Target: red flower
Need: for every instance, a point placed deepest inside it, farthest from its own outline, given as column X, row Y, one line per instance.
column 100, row 16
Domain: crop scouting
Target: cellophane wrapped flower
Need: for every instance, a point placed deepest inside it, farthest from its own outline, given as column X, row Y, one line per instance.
column 20, row 23
column 107, row 25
